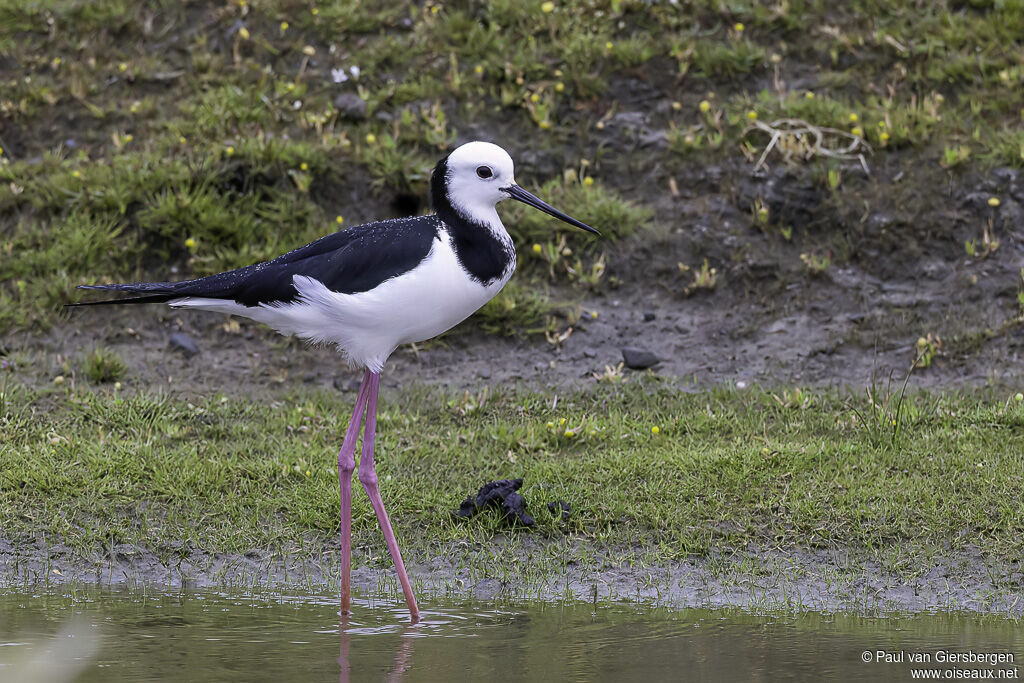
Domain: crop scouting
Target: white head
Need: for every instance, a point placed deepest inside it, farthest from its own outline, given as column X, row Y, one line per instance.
column 478, row 175
column 474, row 176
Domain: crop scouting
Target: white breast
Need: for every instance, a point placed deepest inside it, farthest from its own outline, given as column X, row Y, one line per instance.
column 368, row 326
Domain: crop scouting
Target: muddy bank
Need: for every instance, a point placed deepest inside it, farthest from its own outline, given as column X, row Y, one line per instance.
column 832, row 580
column 896, row 272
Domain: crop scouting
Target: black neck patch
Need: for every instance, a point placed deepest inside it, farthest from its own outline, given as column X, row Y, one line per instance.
column 480, row 253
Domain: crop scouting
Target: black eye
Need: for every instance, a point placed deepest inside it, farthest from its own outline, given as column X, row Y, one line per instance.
column 484, row 171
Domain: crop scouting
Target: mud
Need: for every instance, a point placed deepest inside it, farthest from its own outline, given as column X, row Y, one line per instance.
column 834, row 580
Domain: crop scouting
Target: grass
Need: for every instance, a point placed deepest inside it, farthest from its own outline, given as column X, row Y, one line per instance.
column 792, row 469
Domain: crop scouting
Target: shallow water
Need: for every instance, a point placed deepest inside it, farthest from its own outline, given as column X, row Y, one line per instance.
column 100, row 635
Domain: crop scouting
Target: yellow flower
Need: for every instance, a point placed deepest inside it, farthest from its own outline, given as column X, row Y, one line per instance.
column 181, row 139
column 56, row 62
column 1, row 151
column 561, row 421
column 608, row 45
column 244, row 33
column 655, row 429
column 314, row 11
column 535, row 98
column 993, row 202
column 339, row 220
column 128, row 138
column 809, row 95
column 558, row 73
column 559, row 87
column 76, row 174
column 588, row 181
column 569, row 433
column 593, row 315
column 307, row 473
column 117, row 386
column 854, row 118
column 752, row 115
column 547, row 7
column 303, row 166
column 190, row 243
column 883, row 136
column 551, row 425
column 59, row 379
column 676, row 106
column 544, row 125
column 857, row 131
column 1018, row 397
column 704, row 106
column 371, row 139
column 122, row 67
column 738, row 27
column 230, row 150
column 479, row 69
column 536, row 249
column 309, row 50
column 284, row 26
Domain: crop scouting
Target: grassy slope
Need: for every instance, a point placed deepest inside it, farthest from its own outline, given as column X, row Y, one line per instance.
column 724, row 469
column 201, row 146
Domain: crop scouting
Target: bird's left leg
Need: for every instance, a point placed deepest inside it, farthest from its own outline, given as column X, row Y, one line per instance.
column 368, row 477
column 347, row 465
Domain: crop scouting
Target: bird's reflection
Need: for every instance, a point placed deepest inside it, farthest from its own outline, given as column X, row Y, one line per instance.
column 403, row 657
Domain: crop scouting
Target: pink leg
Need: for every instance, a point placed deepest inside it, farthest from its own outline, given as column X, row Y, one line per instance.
column 346, row 466
column 368, row 476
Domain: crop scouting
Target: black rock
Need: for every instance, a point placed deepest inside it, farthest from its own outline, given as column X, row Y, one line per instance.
column 501, row 495
column 649, row 316
column 638, row 359
column 183, row 342
column 350, row 106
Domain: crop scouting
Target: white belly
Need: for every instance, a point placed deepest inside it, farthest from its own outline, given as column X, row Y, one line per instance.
column 368, row 326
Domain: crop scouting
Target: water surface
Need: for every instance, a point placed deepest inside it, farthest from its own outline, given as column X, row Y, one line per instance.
column 103, row 635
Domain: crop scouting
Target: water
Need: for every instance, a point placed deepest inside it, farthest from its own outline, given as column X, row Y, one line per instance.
column 98, row 635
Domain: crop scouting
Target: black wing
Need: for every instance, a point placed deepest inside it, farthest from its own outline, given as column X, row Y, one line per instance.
column 348, row 261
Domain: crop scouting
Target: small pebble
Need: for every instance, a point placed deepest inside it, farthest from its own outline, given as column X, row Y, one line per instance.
column 638, row 359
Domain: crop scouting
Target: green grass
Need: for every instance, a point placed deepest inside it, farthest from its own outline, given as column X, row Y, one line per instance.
column 791, row 469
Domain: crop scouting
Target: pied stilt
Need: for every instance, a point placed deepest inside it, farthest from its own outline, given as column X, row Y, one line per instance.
column 371, row 288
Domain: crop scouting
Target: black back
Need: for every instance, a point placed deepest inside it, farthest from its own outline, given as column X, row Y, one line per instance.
column 348, row 261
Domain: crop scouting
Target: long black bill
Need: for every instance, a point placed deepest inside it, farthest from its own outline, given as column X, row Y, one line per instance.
column 536, row 202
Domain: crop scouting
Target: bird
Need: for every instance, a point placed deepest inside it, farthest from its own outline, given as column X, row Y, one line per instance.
column 371, row 288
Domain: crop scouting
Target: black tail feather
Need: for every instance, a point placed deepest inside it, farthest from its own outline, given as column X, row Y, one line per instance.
column 149, row 293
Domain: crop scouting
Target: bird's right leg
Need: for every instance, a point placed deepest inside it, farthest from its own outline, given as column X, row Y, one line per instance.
column 346, row 466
